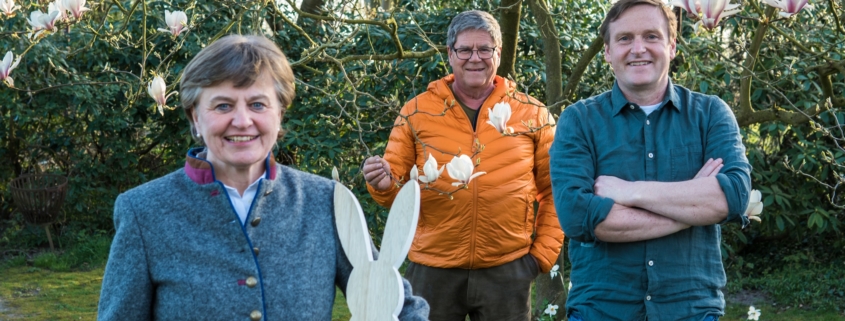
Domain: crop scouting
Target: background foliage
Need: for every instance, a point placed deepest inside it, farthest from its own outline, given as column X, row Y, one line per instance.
column 79, row 106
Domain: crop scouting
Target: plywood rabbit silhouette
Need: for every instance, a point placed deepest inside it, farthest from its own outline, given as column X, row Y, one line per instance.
column 375, row 291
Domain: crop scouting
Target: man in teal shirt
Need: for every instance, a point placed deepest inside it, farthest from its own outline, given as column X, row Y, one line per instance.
column 642, row 176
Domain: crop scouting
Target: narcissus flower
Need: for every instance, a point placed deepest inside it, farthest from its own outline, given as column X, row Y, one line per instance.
column 499, row 116
column 158, row 90
column 176, row 21
column 76, row 7
column 460, row 169
column 8, row 7
column 753, row 313
column 430, row 171
column 710, row 12
column 789, row 7
column 6, row 67
column 551, row 309
column 755, row 206
column 555, row 270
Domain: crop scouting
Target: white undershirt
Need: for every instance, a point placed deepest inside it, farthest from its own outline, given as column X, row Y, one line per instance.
column 650, row 108
column 242, row 203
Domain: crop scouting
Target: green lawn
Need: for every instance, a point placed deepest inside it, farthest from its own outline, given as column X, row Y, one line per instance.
column 31, row 293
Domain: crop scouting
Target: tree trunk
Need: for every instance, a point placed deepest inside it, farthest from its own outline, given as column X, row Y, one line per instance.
column 511, row 13
column 548, row 290
column 551, row 52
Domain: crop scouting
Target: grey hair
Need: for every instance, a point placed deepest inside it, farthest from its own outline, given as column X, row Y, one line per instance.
column 473, row 20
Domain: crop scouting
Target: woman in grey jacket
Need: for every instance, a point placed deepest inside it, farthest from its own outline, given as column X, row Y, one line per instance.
column 232, row 235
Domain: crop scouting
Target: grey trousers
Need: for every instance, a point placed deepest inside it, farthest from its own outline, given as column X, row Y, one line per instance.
column 499, row 293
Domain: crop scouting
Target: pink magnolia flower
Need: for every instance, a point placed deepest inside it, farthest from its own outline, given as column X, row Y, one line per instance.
column 176, row 21
column 8, row 7
column 789, row 7
column 6, row 67
column 710, row 12
column 41, row 22
column 76, row 7
column 58, row 6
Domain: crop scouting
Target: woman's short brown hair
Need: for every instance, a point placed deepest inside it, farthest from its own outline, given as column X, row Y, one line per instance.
column 622, row 5
column 241, row 60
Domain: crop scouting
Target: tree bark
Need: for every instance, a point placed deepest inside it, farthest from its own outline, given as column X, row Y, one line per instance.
column 550, row 290
column 511, row 13
column 309, row 6
column 551, row 51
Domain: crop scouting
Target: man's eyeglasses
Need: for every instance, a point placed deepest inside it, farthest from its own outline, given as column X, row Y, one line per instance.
column 466, row 53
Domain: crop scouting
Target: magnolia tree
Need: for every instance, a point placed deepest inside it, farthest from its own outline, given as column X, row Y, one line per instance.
column 88, row 89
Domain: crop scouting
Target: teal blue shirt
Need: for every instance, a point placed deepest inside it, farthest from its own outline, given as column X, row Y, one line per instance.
column 676, row 277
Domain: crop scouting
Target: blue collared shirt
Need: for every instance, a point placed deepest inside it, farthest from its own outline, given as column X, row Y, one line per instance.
column 676, row 277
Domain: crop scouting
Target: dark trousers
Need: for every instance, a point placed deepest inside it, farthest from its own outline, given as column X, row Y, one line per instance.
column 499, row 293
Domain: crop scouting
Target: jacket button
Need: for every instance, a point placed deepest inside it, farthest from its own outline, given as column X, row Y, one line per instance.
column 251, row 282
column 268, row 192
column 256, row 221
column 255, row 250
column 255, row 315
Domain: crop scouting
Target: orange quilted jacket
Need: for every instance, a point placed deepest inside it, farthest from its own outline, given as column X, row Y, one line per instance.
column 492, row 221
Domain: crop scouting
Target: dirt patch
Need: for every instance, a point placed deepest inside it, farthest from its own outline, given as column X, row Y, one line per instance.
column 748, row 297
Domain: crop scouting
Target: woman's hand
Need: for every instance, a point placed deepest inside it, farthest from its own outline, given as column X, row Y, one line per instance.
column 377, row 173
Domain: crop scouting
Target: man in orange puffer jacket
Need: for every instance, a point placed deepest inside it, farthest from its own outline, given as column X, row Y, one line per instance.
column 478, row 244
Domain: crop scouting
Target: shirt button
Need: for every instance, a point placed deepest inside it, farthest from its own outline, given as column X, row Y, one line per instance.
column 648, row 298
column 256, row 221
column 631, row 106
column 251, row 282
column 255, row 250
column 647, row 122
column 255, row 315
column 268, row 192
column 650, row 155
column 650, row 263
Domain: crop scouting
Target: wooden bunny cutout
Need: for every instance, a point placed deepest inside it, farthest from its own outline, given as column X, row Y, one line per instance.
column 375, row 291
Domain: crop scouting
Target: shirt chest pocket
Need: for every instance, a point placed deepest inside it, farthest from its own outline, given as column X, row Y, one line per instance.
column 686, row 161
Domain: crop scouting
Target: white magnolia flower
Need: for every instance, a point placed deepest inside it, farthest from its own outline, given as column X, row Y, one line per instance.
column 430, row 171
column 176, row 21
column 753, row 313
column 709, row 11
column 755, row 206
column 415, row 173
column 76, row 7
column 58, row 6
column 6, row 66
column 335, row 175
column 41, row 22
column 8, row 7
column 555, row 270
column 158, row 90
column 789, row 7
column 551, row 310
column 499, row 116
column 460, row 168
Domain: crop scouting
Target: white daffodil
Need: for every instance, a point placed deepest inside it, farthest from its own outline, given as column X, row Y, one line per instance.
column 8, row 7
column 335, row 174
column 753, row 313
column 709, row 11
column 755, row 206
column 158, row 90
column 555, row 270
column 41, row 22
column 460, row 168
column 176, row 21
column 76, row 7
column 6, row 66
column 499, row 116
column 415, row 173
column 430, row 171
column 551, row 310
column 58, row 6
column 789, row 7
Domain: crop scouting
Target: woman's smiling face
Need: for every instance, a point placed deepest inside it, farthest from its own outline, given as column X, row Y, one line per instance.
column 240, row 126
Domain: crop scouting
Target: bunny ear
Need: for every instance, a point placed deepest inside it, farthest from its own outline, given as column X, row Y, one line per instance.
column 351, row 227
column 401, row 224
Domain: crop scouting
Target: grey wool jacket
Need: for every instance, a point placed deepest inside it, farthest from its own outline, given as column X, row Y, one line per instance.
column 181, row 253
